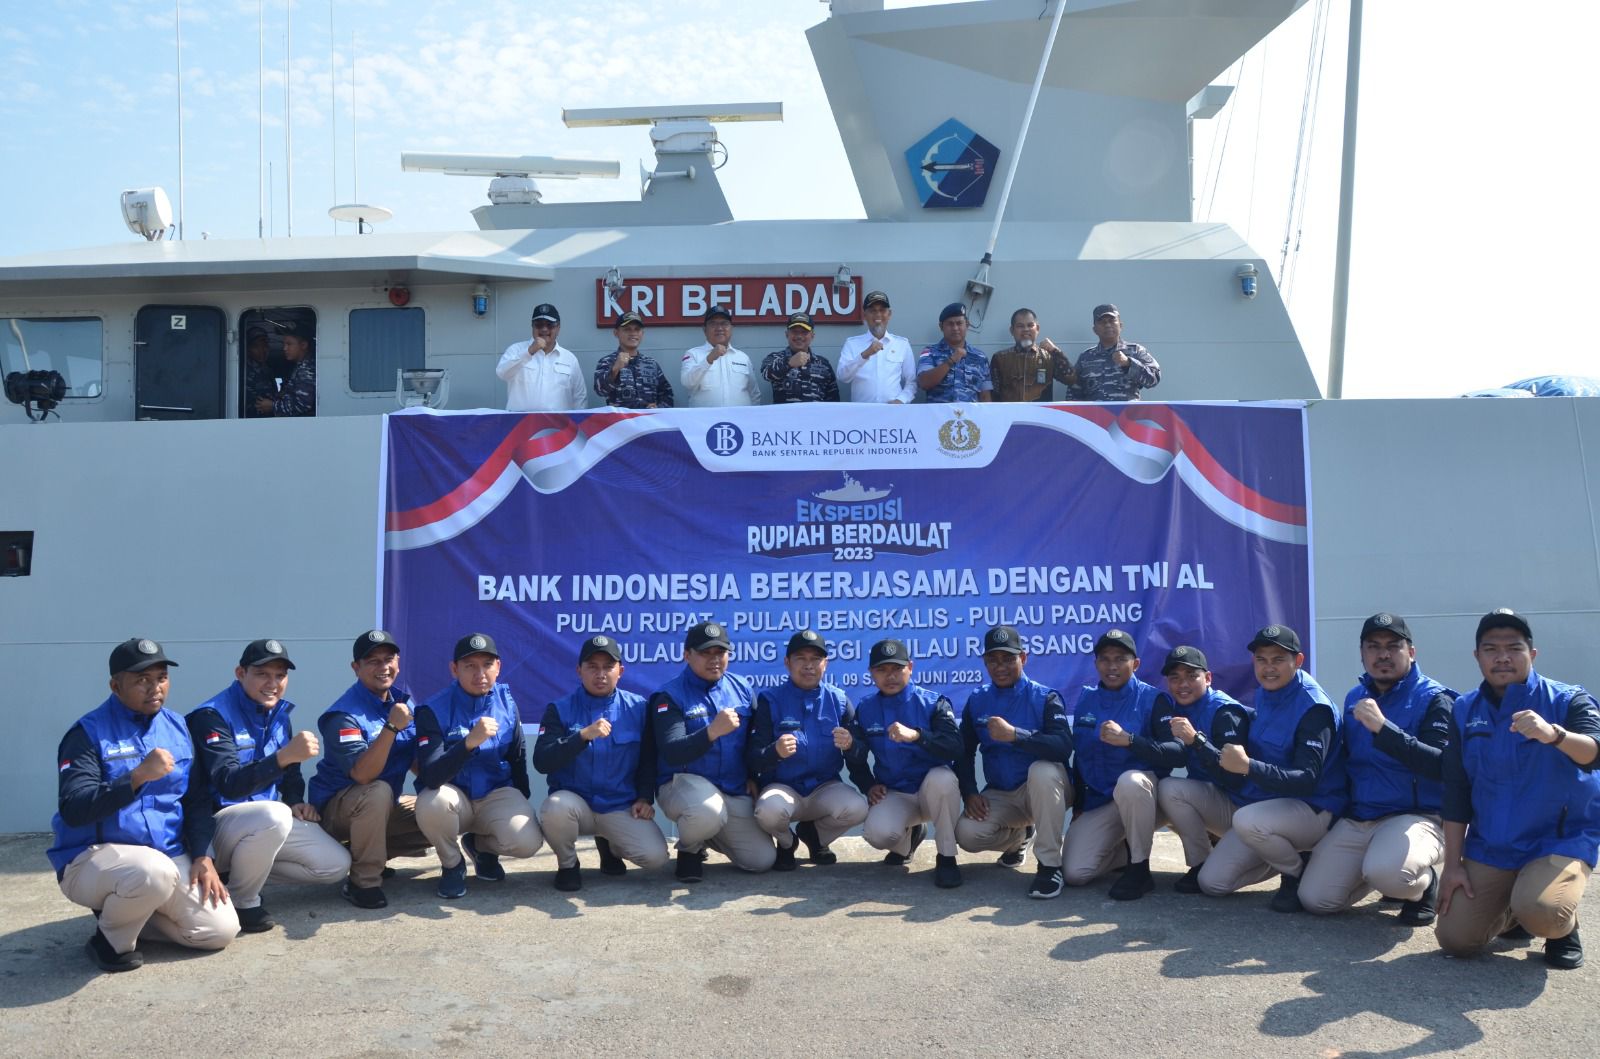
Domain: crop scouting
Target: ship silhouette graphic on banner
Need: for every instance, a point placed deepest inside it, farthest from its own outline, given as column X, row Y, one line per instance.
column 952, row 167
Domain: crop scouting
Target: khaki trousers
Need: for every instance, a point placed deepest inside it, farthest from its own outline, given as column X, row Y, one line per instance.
column 725, row 822
column 1543, row 896
column 835, row 806
column 1042, row 802
column 565, row 815
column 261, row 842
column 376, row 826
column 1197, row 811
column 142, row 892
column 1111, row 835
column 937, row 801
column 1266, row 837
column 1392, row 855
column 502, row 820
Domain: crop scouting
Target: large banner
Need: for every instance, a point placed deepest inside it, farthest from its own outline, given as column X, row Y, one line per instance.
column 1180, row 523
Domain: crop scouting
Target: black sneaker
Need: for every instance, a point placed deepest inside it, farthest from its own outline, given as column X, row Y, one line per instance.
column 786, row 861
column 109, row 959
column 569, row 880
column 1188, row 882
column 388, row 872
column 1287, row 899
column 255, row 920
column 485, row 865
column 1015, row 858
column 1047, row 883
column 691, row 866
column 816, row 851
column 1564, row 954
column 363, row 896
column 1133, row 883
column 1516, row 933
column 946, row 872
column 610, row 863
column 1421, row 912
column 894, row 859
column 453, row 881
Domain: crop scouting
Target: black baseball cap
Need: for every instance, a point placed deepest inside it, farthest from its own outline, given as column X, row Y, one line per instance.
column 546, row 311
column 137, row 655
column 951, row 311
column 1383, row 621
column 1184, row 655
column 1277, row 636
column 1003, row 638
column 260, row 652
column 475, row 644
column 369, row 642
column 716, row 311
column 889, row 651
column 875, row 297
column 1504, row 618
column 629, row 318
column 707, row 634
column 1106, row 310
column 599, row 645
column 1117, row 638
column 800, row 320
column 807, row 639
column 255, row 333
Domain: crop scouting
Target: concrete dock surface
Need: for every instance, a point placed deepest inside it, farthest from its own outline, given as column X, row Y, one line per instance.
column 854, row 959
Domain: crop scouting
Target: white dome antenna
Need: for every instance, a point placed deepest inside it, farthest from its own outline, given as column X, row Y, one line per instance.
column 147, row 212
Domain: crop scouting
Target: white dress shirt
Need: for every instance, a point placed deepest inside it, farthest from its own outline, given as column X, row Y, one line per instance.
column 888, row 375
column 729, row 381
column 541, row 382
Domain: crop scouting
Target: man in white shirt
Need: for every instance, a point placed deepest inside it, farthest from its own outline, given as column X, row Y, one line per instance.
column 540, row 375
column 881, row 368
column 714, row 374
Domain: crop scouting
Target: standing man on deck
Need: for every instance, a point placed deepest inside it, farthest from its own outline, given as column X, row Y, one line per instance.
column 260, row 385
column 1024, row 372
column 628, row 378
column 951, row 370
column 880, row 367
column 714, row 373
column 798, row 375
column 298, row 395
column 540, row 375
column 1114, row 370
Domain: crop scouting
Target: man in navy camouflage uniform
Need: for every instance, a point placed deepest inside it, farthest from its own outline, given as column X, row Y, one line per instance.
column 952, row 370
column 298, row 397
column 798, row 375
column 260, row 385
column 1114, row 370
column 628, row 378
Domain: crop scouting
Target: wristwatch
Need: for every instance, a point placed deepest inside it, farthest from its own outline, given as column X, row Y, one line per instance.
column 392, row 728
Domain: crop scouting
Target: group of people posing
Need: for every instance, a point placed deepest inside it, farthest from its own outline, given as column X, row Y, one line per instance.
column 879, row 366
column 1479, row 813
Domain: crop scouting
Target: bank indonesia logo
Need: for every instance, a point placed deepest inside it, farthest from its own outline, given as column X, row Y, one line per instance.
column 952, row 167
column 724, row 439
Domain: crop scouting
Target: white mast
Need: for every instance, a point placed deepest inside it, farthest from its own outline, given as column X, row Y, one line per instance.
column 177, row 27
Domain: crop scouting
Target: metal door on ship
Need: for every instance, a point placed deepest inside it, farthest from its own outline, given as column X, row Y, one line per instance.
column 178, row 362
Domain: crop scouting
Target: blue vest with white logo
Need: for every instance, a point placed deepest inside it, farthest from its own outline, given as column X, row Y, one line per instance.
column 1380, row 785
column 371, row 713
column 899, row 766
column 1004, row 766
column 723, row 764
column 1528, row 800
column 1272, row 740
column 155, row 816
column 255, row 735
column 1202, row 714
column 486, row 768
column 809, row 716
column 602, row 774
column 1098, row 763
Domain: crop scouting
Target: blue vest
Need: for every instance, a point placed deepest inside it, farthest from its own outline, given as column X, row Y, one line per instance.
column 1528, row 800
column 254, row 735
column 1380, row 785
column 899, row 766
column 602, row 774
column 371, row 713
column 155, row 816
column 809, row 716
column 723, row 764
column 1004, row 766
column 1202, row 714
column 1099, row 764
column 1271, row 740
column 486, row 768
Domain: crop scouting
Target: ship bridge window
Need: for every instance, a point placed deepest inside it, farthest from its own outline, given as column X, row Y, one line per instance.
column 382, row 341
column 74, row 346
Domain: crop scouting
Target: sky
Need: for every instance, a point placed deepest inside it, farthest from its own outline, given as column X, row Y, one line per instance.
column 1476, row 150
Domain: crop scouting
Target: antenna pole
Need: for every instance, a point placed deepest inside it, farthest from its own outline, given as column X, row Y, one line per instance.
column 1347, row 191
column 261, row 120
column 288, row 118
column 333, row 112
column 355, row 145
column 177, row 26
